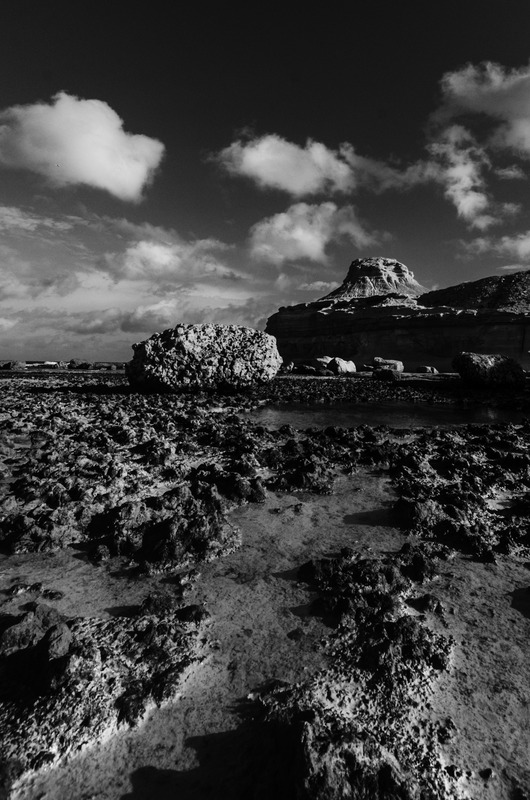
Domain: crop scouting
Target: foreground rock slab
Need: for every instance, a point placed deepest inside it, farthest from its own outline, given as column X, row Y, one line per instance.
column 203, row 356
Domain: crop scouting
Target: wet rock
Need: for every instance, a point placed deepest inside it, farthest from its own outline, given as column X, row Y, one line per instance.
column 207, row 355
column 489, row 370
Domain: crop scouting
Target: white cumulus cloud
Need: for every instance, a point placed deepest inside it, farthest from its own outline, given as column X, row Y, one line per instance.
column 304, row 231
column 74, row 141
column 273, row 162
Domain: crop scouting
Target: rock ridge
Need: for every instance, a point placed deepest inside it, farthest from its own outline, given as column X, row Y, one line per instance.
column 381, row 310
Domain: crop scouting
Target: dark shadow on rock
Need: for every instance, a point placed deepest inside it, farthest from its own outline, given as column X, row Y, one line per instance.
column 123, row 611
column 287, row 575
column 255, row 761
column 316, row 608
column 521, row 601
column 378, row 516
column 103, row 389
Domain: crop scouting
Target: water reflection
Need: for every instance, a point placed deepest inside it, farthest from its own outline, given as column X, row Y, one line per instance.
column 396, row 415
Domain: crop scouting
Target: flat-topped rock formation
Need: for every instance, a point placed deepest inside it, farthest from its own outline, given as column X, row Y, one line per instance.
column 381, row 310
column 370, row 277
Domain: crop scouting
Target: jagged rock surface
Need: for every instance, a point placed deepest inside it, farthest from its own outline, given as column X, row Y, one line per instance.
column 354, row 322
column 203, row 356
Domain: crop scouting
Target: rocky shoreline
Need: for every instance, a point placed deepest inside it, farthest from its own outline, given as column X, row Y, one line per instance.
column 143, row 488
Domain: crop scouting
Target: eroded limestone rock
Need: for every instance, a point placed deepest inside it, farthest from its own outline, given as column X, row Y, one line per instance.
column 203, row 356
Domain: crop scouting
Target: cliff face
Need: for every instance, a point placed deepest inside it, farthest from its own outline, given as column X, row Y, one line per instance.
column 491, row 315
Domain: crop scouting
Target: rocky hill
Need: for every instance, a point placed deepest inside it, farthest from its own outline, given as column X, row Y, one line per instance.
column 369, row 277
column 381, row 310
column 500, row 292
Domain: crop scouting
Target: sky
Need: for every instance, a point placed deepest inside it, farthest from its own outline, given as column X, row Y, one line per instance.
column 212, row 164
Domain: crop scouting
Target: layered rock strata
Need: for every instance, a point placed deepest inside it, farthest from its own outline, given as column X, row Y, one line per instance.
column 381, row 310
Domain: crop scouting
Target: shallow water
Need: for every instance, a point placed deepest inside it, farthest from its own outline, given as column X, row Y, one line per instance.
column 395, row 415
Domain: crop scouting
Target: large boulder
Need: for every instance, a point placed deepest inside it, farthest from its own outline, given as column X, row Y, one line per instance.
column 489, row 370
column 14, row 365
column 341, row 367
column 203, row 356
column 388, row 363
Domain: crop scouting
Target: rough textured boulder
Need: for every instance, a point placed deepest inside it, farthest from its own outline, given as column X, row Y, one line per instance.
column 14, row 365
column 380, row 308
column 203, row 356
column 341, row 367
column 388, row 363
column 489, row 370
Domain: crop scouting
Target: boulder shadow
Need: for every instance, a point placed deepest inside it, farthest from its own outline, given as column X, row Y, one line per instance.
column 254, row 761
column 288, row 575
column 521, row 601
column 99, row 389
column 379, row 517
column 123, row 611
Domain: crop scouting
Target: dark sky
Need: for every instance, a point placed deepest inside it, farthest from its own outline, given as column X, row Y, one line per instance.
column 223, row 209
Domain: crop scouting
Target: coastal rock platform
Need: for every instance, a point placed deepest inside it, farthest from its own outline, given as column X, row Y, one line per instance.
column 225, row 608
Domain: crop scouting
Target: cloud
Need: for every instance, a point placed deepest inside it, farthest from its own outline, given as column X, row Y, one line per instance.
column 16, row 219
column 71, row 141
column 319, row 286
column 6, row 324
column 458, row 163
column 497, row 92
column 517, row 245
column 274, row 163
column 173, row 262
column 156, row 316
column 511, row 173
column 105, row 321
column 304, row 231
